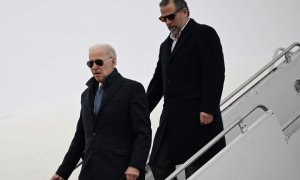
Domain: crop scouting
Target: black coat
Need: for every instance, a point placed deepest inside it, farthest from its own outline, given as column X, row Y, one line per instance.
column 118, row 137
column 191, row 81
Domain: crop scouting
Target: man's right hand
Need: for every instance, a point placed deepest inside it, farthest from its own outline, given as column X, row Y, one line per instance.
column 56, row 177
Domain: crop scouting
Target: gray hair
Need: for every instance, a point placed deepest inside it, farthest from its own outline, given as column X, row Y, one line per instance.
column 110, row 50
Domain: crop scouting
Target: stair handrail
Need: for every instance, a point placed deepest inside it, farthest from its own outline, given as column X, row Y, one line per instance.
column 213, row 142
column 290, row 122
column 263, row 69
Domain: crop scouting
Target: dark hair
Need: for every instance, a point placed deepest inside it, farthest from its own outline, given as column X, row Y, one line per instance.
column 179, row 4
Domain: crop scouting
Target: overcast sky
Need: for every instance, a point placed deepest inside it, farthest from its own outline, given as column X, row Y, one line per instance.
column 44, row 49
column 44, row 43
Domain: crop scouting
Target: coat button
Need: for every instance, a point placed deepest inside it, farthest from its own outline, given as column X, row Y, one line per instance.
column 94, row 134
column 169, row 81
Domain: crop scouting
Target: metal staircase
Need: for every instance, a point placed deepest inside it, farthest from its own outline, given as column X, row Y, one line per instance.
column 261, row 120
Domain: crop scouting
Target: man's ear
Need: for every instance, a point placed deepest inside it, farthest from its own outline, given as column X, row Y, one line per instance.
column 114, row 62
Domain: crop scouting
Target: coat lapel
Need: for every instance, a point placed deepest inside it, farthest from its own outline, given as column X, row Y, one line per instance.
column 185, row 34
column 90, row 104
column 114, row 87
column 89, row 99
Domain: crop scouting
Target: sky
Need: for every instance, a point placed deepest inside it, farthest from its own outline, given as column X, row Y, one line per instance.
column 44, row 49
column 44, row 44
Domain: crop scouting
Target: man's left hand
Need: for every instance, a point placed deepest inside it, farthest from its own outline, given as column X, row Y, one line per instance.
column 205, row 118
column 132, row 173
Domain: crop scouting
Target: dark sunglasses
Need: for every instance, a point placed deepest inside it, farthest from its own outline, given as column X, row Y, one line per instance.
column 170, row 16
column 98, row 62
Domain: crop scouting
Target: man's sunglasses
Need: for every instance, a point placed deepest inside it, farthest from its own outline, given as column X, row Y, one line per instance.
column 170, row 16
column 98, row 62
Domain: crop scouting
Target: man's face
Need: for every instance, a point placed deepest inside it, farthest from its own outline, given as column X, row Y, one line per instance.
column 178, row 22
column 101, row 72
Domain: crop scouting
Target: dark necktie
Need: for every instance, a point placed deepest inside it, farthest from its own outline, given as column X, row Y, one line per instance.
column 98, row 99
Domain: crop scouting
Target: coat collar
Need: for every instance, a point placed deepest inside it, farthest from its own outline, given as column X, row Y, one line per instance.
column 92, row 83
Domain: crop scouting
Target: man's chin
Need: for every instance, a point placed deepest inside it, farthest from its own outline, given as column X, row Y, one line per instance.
column 174, row 31
column 99, row 79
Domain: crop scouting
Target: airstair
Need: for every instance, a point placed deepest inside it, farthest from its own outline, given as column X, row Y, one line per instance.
column 262, row 126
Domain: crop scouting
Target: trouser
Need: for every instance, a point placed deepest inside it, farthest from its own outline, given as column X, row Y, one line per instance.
column 162, row 166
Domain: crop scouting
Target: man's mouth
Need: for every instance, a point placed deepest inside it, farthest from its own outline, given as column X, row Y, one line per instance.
column 97, row 73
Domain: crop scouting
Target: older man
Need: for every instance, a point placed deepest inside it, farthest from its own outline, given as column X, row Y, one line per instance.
column 113, row 134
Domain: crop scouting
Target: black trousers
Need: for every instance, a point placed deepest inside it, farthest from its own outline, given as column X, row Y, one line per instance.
column 163, row 167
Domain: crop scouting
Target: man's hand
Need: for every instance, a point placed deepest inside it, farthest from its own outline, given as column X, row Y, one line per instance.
column 132, row 173
column 56, row 177
column 205, row 118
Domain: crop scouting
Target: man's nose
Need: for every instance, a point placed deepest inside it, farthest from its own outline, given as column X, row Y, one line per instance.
column 95, row 66
column 168, row 21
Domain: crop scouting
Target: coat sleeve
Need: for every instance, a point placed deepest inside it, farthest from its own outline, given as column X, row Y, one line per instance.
column 141, row 127
column 213, row 70
column 74, row 153
column 155, row 88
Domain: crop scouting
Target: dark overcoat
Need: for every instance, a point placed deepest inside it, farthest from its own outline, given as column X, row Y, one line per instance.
column 190, row 79
column 118, row 137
